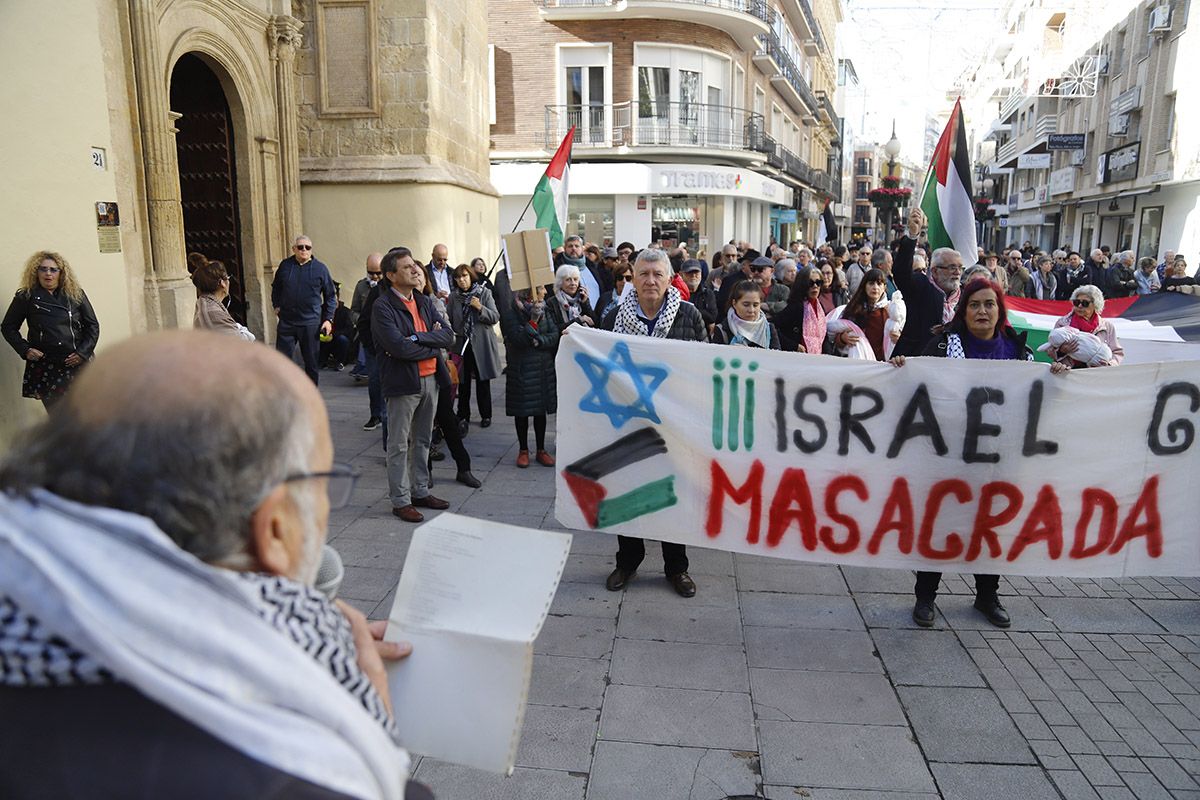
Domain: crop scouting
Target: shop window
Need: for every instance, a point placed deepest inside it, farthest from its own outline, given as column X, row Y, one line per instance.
column 592, row 218
column 1087, row 233
column 1150, row 232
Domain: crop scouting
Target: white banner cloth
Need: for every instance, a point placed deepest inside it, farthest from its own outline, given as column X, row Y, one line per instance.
column 972, row 466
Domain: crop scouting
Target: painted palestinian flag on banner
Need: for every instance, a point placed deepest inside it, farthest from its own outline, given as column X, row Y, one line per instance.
column 1155, row 327
column 946, row 197
column 827, row 229
column 550, row 196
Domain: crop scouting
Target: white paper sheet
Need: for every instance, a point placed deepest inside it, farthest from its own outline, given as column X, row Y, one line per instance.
column 460, row 696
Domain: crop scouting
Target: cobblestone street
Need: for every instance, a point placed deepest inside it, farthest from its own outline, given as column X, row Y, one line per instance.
column 786, row 680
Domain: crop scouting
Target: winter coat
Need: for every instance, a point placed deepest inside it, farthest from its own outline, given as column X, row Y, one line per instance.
column 554, row 308
column 688, row 325
column 924, row 301
column 391, row 329
column 56, row 325
column 939, row 345
column 475, row 327
column 723, row 335
column 530, row 384
column 705, row 301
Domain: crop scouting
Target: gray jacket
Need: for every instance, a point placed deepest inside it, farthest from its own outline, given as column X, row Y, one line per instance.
column 476, row 327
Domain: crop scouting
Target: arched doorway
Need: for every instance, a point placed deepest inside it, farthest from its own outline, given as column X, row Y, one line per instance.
column 208, row 171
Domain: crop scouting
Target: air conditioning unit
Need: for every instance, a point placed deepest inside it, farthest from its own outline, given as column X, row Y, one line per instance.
column 1160, row 19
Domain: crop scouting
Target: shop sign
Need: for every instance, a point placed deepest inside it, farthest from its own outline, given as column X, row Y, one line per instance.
column 700, row 179
column 1126, row 101
column 1062, row 181
column 1118, row 125
column 1066, row 141
column 1120, row 164
column 641, row 202
column 787, row 216
column 720, row 181
column 1034, row 161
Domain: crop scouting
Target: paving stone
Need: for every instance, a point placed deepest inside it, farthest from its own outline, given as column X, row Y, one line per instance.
column 585, row 600
column 800, row 611
column 992, row 782
column 453, row 781
column 815, row 754
column 685, row 717
column 791, row 648
column 569, row 682
column 584, row 637
column 1073, row 785
column 1170, row 774
column 846, row 697
column 1074, row 739
column 869, row 580
column 778, row 575
column 558, row 738
column 927, row 658
column 809, row 793
column 625, row 770
column 889, row 611
column 589, row 569
column 963, row 725
column 368, row 582
column 1146, row 787
column 1092, row 614
column 680, row 664
column 653, row 587
column 1032, row 726
column 960, row 614
column 1176, row 616
column 679, row 621
column 1097, row 770
column 706, row 561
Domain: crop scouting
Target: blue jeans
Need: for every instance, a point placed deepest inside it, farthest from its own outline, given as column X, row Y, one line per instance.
column 287, row 336
column 360, row 366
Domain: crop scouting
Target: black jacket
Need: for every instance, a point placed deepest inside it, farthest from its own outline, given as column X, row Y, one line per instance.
column 554, row 308
column 939, row 343
column 1087, row 276
column 531, row 387
column 924, row 299
column 56, row 325
column 705, row 301
column 304, row 295
column 1121, row 281
column 688, row 325
column 392, row 328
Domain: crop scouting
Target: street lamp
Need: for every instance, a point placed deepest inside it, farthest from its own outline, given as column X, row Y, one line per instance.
column 988, row 185
column 892, row 148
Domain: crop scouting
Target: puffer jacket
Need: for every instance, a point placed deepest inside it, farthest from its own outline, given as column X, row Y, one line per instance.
column 531, row 387
column 57, row 325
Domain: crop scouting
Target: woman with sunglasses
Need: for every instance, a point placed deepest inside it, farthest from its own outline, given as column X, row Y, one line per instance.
column 610, row 299
column 1089, row 303
column 61, row 327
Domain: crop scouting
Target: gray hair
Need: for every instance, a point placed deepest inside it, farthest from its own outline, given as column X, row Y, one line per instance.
column 919, row 259
column 1127, row 256
column 1094, row 293
column 649, row 255
column 301, row 236
column 785, row 263
column 573, row 238
column 975, row 271
column 563, row 272
column 879, row 256
column 198, row 473
column 1038, row 260
column 939, row 256
column 804, row 251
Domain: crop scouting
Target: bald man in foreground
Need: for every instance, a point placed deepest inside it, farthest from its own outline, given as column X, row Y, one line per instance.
column 159, row 538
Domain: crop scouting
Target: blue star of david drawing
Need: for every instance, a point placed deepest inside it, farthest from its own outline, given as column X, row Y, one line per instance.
column 646, row 378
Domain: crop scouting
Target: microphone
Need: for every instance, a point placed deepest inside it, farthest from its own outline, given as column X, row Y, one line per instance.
column 330, row 573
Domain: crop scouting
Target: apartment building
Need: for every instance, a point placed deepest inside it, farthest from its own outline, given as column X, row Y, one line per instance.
column 697, row 121
column 850, row 102
column 1094, row 138
column 866, row 172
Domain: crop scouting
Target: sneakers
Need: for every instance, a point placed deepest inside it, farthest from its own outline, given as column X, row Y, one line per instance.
column 372, row 424
column 545, row 459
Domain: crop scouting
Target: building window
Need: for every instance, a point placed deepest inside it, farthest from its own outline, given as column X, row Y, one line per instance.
column 584, row 93
column 1087, row 233
column 861, row 190
column 1167, row 126
column 683, row 97
column 1150, row 232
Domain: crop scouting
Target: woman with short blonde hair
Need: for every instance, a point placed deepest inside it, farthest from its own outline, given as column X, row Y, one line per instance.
column 61, row 327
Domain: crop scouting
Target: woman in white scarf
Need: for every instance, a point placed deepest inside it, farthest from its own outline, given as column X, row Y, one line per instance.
column 571, row 303
column 745, row 323
column 868, row 326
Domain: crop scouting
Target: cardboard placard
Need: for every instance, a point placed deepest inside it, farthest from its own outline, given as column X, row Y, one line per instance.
column 527, row 259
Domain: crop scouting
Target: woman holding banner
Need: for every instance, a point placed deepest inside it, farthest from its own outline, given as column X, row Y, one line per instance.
column 870, row 332
column 978, row 329
column 801, row 324
column 1088, row 302
column 745, row 323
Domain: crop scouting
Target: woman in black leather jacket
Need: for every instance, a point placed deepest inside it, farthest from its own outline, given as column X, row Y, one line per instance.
column 61, row 327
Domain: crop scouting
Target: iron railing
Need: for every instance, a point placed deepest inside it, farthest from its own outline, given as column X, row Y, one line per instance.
column 757, row 8
column 771, row 46
column 811, row 19
column 655, row 124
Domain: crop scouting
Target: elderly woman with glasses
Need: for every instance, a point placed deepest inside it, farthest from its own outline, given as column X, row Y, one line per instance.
column 1089, row 303
column 212, row 282
column 61, row 327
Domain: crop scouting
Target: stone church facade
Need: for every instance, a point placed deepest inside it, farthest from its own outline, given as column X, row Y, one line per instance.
column 228, row 127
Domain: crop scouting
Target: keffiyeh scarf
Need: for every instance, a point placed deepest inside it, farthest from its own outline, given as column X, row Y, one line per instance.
column 629, row 319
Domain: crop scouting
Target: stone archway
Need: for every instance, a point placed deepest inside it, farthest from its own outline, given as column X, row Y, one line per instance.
column 208, row 179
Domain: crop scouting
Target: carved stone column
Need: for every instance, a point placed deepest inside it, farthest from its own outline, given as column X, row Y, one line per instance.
column 285, row 40
column 170, row 298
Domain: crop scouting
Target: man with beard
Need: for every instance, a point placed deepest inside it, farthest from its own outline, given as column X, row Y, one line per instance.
column 930, row 298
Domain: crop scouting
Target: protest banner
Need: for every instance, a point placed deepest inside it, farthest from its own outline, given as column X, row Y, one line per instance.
column 974, row 466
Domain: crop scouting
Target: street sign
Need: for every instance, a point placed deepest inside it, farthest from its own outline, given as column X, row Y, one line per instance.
column 1066, row 141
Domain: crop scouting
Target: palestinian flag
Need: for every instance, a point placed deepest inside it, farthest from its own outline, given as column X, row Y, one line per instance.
column 550, row 196
column 827, row 229
column 1155, row 327
column 583, row 479
column 946, row 197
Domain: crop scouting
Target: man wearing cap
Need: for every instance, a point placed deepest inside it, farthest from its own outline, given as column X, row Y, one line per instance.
column 856, row 271
column 703, row 296
column 749, row 258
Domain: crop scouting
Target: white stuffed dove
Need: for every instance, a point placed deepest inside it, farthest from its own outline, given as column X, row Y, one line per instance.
column 1091, row 350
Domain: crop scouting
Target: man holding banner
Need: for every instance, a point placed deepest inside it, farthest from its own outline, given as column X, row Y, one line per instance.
column 656, row 309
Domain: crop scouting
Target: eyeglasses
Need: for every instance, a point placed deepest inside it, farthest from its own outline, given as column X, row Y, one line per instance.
column 621, row 279
column 1081, row 303
column 375, row 274
column 957, row 269
column 304, row 247
column 49, row 270
column 757, row 269
column 339, row 483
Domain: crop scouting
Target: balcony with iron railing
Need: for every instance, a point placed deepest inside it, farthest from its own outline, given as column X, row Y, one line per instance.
column 775, row 61
column 806, row 25
column 741, row 19
column 661, row 126
column 828, row 112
